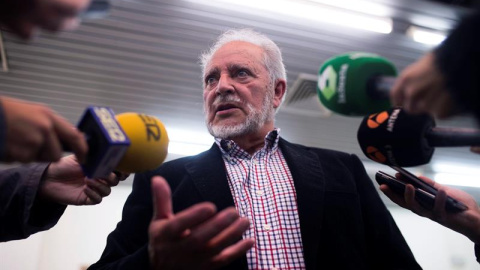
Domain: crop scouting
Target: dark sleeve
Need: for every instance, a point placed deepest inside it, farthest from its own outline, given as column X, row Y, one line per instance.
column 21, row 214
column 3, row 132
column 127, row 245
column 477, row 252
column 386, row 247
column 458, row 58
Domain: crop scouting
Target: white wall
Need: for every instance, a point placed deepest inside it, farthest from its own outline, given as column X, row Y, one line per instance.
column 79, row 239
column 75, row 242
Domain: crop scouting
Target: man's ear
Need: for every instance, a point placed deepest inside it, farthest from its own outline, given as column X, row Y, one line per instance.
column 279, row 92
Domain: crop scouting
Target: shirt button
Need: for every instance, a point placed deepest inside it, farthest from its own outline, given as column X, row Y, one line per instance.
column 266, row 227
column 259, row 192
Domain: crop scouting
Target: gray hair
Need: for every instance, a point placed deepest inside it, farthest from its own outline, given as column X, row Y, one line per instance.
column 272, row 57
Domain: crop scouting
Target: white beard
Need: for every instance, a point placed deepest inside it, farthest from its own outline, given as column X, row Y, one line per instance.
column 254, row 121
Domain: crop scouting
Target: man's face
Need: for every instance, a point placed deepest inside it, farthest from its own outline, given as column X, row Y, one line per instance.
column 238, row 95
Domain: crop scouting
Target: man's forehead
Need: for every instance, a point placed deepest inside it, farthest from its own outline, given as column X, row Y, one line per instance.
column 235, row 53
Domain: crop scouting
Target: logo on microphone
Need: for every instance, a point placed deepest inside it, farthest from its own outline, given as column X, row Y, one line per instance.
column 152, row 128
column 375, row 155
column 376, row 119
column 327, row 82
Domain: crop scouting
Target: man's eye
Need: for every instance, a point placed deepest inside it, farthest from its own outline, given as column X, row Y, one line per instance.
column 210, row 80
column 242, row 73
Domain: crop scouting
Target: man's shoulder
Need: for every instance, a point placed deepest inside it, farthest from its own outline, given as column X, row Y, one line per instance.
column 321, row 152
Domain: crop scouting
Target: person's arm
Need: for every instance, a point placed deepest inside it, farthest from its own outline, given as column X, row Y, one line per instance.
column 466, row 222
column 458, row 59
column 387, row 249
column 18, row 189
column 33, row 198
column 445, row 80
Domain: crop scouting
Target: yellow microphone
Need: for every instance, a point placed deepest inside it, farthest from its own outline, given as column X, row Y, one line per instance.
column 148, row 142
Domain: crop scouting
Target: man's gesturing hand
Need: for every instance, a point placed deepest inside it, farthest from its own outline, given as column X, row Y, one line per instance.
column 195, row 238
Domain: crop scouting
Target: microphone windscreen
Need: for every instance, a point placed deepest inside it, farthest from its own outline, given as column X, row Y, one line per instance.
column 148, row 142
column 394, row 137
column 344, row 83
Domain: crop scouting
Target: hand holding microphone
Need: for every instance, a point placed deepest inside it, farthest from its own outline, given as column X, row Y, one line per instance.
column 421, row 88
column 34, row 132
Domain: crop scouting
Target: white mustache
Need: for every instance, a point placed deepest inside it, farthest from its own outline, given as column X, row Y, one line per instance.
column 226, row 98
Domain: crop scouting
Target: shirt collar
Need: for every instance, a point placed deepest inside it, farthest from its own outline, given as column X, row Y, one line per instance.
column 230, row 148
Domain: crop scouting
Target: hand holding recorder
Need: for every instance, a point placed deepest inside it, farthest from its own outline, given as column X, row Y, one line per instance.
column 450, row 207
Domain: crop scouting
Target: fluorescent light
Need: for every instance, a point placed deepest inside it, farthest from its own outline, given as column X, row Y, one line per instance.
column 187, row 142
column 310, row 11
column 426, row 36
column 366, row 7
column 457, row 179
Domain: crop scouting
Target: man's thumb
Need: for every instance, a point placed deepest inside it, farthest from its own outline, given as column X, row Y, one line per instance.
column 162, row 201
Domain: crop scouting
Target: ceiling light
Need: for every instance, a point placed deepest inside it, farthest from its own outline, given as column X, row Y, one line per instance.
column 310, row 11
column 366, row 7
column 425, row 36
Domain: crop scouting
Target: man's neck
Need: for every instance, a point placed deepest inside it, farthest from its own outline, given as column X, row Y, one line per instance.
column 251, row 143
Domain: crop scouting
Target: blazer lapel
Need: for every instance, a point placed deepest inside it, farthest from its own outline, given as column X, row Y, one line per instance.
column 209, row 176
column 309, row 182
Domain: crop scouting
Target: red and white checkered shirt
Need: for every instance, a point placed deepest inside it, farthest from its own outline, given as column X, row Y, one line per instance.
column 263, row 191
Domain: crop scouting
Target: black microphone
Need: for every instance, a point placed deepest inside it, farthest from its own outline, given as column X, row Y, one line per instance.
column 394, row 137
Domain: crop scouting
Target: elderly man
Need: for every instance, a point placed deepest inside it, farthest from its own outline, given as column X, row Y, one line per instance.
column 254, row 200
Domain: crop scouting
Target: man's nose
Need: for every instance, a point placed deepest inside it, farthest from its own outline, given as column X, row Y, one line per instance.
column 225, row 85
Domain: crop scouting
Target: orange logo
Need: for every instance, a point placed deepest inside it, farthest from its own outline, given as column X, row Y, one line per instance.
column 376, row 119
column 375, row 155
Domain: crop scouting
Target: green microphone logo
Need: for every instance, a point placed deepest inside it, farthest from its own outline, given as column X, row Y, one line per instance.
column 327, row 82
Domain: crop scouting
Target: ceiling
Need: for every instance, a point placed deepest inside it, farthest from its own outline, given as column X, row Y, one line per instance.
column 144, row 57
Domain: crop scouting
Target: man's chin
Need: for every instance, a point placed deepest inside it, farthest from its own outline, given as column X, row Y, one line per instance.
column 227, row 131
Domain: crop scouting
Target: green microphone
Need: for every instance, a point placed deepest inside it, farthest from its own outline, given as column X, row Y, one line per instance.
column 356, row 83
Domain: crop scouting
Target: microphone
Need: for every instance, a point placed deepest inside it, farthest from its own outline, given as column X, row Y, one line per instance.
column 396, row 138
column 129, row 142
column 356, row 83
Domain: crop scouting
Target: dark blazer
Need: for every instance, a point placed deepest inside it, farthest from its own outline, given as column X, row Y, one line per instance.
column 344, row 223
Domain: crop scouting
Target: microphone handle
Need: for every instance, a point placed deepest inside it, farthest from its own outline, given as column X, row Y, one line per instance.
column 378, row 87
column 444, row 136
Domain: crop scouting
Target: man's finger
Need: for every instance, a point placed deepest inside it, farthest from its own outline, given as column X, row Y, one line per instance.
column 231, row 253
column 92, row 197
column 101, row 188
column 162, row 201
column 71, row 137
column 230, row 235
column 394, row 197
column 51, row 150
column 209, row 229
column 439, row 211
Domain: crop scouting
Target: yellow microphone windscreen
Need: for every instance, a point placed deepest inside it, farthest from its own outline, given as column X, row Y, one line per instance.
column 149, row 142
